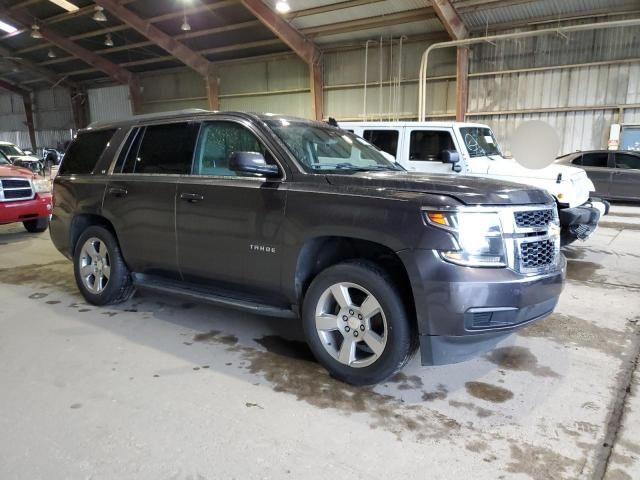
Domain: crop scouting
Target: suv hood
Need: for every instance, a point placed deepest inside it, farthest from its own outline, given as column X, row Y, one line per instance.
column 23, row 158
column 468, row 190
column 503, row 167
column 13, row 171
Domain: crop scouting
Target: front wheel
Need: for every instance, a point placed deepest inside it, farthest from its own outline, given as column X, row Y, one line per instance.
column 101, row 274
column 36, row 226
column 356, row 323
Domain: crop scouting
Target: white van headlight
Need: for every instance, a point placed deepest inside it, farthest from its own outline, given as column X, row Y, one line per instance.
column 478, row 236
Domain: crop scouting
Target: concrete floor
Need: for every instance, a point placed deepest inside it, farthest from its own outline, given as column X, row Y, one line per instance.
column 159, row 388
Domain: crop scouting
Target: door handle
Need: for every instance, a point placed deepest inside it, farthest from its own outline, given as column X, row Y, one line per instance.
column 118, row 192
column 192, row 197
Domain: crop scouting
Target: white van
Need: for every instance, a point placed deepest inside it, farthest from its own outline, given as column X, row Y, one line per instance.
column 472, row 149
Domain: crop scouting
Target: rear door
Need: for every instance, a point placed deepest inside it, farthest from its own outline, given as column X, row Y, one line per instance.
column 422, row 149
column 140, row 196
column 625, row 182
column 228, row 226
column 597, row 165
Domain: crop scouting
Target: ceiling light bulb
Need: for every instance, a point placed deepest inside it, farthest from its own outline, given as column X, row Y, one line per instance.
column 282, row 6
column 99, row 16
column 51, row 53
column 185, row 27
column 108, row 41
column 35, row 31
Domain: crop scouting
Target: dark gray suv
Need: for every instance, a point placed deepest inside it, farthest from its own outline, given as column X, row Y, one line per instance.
column 285, row 217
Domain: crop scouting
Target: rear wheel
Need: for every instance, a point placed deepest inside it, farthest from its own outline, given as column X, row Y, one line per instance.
column 101, row 274
column 36, row 226
column 356, row 323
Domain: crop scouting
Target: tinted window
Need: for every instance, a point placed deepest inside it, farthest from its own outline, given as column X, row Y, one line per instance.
column 85, row 151
column 629, row 162
column 129, row 150
column 164, row 149
column 426, row 146
column 577, row 160
column 595, row 159
column 218, row 141
column 385, row 140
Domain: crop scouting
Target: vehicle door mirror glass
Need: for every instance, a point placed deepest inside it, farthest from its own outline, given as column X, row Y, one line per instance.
column 252, row 163
column 450, row 156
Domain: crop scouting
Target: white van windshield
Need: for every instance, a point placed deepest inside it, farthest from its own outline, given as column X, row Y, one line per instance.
column 480, row 141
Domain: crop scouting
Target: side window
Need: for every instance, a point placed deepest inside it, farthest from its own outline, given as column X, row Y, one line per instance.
column 595, row 159
column 577, row 160
column 129, row 151
column 163, row 149
column 385, row 140
column 426, row 145
column 628, row 162
column 84, row 153
column 218, row 140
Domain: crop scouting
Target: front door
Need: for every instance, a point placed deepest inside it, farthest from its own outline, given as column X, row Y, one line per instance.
column 140, row 196
column 423, row 150
column 229, row 226
column 625, row 182
column 597, row 165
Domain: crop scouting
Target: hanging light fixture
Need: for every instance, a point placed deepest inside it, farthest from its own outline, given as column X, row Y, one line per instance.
column 99, row 15
column 108, row 41
column 51, row 53
column 185, row 27
column 282, row 6
column 35, row 31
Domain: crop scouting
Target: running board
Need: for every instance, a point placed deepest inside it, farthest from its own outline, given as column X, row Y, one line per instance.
column 162, row 286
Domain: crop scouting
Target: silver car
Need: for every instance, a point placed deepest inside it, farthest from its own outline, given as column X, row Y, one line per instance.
column 616, row 174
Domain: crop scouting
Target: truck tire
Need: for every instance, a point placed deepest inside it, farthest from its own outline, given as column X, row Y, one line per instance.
column 36, row 226
column 101, row 274
column 356, row 324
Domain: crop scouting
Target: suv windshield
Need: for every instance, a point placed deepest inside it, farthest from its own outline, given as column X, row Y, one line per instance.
column 329, row 150
column 3, row 159
column 480, row 141
column 11, row 150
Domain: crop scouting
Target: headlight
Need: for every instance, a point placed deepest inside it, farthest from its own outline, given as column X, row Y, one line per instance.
column 478, row 235
column 42, row 185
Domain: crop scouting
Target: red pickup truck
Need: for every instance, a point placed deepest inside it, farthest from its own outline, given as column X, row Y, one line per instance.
column 24, row 197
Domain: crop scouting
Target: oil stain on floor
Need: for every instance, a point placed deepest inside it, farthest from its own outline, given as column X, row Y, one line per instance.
column 520, row 359
column 488, row 392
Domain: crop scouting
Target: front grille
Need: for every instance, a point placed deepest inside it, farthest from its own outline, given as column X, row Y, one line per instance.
column 534, row 218
column 537, row 255
column 12, row 189
column 14, row 183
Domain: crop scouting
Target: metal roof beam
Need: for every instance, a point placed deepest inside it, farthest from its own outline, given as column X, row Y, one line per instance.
column 35, row 70
column 172, row 46
column 114, row 71
column 450, row 19
column 291, row 36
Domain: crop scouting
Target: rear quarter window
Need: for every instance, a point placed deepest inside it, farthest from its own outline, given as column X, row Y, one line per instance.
column 85, row 151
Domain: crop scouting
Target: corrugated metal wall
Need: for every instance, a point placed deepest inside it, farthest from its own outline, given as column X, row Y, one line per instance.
column 109, row 103
column 504, row 91
column 53, row 118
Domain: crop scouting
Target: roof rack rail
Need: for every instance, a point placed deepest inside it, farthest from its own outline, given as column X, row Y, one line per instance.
column 152, row 116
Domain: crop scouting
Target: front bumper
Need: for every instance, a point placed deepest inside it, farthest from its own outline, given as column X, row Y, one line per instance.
column 464, row 311
column 21, row 211
column 581, row 222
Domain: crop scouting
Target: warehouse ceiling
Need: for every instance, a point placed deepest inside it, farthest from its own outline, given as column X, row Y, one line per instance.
column 224, row 29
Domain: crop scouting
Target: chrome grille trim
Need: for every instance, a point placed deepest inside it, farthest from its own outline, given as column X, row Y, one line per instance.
column 15, row 189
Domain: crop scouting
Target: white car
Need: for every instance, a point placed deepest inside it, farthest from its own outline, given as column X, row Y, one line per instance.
column 472, row 149
column 20, row 158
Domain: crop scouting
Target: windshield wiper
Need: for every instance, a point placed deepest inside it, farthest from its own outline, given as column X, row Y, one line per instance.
column 352, row 167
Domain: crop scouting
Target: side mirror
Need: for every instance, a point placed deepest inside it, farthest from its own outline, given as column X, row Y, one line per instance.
column 450, row 156
column 252, row 163
column 28, row 152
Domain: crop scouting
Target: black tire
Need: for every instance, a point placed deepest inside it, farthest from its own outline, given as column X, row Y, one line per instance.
column 36, row 226
column 119, row 286
column 400, row 343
